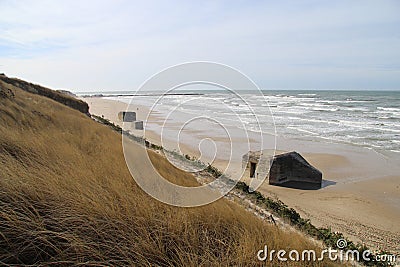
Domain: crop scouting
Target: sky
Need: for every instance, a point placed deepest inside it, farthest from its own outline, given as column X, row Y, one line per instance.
column 117, row 45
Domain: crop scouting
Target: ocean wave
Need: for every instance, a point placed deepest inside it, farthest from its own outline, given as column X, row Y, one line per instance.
column 355, row 108
column 302, row 130
column 343, row 101
column 307, row 94
column 325, row 109
column 388, row 109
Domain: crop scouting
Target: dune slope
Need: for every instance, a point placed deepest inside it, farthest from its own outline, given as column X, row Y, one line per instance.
column 67, row 197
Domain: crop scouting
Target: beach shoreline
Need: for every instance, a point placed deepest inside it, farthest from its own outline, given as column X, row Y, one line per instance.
column 361, row 196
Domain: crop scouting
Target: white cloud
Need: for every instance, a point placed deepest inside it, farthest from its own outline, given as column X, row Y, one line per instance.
column 117, row 45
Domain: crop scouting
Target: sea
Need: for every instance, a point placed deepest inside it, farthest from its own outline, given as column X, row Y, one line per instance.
column 368, row 119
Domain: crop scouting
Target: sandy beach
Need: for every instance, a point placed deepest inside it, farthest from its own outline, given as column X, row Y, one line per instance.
column 361, row 193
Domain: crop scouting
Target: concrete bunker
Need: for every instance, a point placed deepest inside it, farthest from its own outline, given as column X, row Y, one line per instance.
column 138, row 125
column 127, row 116
column 287, row 169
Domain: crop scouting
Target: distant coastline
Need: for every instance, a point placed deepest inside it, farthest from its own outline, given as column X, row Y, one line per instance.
column 130, row 94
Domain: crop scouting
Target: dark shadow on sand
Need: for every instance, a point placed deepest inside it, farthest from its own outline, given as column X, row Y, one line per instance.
column 307, row 186
column 326, row 183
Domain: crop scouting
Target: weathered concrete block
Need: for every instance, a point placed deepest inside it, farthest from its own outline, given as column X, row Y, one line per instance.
column 138, row 125
column 127, row 116
column 292, row 170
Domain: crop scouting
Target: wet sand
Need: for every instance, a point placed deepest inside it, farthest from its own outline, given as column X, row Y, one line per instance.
column 361, row 193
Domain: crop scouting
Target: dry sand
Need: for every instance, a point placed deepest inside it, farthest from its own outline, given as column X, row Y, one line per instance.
column 361, row 193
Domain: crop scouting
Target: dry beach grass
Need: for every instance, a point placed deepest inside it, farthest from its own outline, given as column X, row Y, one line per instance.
column 67, row 198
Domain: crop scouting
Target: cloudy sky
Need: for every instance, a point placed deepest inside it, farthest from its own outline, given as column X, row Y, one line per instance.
column 117, row 45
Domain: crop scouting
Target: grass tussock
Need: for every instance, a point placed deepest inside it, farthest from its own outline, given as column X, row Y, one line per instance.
column 67, row 198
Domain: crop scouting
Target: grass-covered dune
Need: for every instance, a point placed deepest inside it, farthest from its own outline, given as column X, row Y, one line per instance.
column 67, row 198
column 58, row 96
